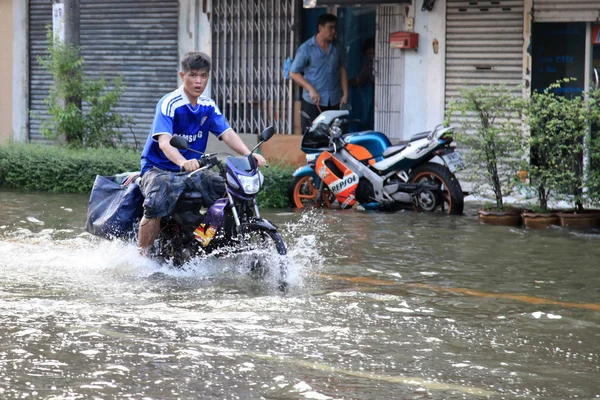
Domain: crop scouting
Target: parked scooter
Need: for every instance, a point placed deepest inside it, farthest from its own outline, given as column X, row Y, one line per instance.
column 364, row 167
column 232, row 224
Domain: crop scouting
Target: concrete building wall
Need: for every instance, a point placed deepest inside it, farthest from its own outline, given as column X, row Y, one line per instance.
column 20, row 71
column 195, row 30
column 424, row 72
column 6, row 79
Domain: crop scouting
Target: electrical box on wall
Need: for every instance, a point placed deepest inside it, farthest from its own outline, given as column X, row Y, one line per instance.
column 404, row 40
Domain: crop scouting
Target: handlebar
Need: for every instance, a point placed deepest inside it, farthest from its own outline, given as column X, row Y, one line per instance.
column 205, row 161
column 208, row 161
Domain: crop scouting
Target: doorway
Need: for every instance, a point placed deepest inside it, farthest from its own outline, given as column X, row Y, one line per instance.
column 356, row 32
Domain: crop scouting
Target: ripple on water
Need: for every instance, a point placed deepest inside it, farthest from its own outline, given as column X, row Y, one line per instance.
column 87, row 318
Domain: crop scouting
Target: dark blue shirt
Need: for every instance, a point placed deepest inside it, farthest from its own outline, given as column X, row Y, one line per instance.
column 175, row 115
column 321, row 70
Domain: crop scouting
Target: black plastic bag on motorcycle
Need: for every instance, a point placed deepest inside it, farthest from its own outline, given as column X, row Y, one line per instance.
column 115, row 206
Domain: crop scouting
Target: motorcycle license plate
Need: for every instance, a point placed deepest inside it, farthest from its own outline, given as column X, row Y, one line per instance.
column 454, row 161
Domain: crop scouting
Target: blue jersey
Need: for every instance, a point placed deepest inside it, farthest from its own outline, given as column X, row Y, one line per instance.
column 175, row 115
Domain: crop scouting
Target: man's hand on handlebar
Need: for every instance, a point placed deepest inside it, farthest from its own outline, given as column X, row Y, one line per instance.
column 190, row 165
column 260, row 160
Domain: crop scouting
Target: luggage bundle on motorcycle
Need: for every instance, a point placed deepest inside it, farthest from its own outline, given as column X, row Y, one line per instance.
column 115, row 206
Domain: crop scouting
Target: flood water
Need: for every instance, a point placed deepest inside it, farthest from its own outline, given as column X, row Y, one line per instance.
column 380, row 306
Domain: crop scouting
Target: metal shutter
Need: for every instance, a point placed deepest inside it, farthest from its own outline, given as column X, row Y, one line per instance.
column 133, row 38
column 484, row 44
column 566, row 10
column 40, row 15
column 138, row 40
column 251, row 40
column 388, row 69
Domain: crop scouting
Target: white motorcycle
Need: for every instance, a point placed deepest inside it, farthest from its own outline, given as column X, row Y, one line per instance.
column 364, row 167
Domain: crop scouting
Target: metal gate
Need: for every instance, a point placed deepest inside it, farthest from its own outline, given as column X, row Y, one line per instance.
column 484, row 44
column 251, row 41
column 135, row 39
column 566, row 10
column 389, row 72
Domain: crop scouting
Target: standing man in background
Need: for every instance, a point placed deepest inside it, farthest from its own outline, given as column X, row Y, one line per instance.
column 320, row 69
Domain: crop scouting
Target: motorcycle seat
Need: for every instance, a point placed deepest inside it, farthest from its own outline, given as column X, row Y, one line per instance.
column 418, row 136
column 390, row 151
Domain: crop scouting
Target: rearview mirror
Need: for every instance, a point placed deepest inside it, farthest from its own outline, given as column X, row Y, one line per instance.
column 179, row 142
column 346, row 106
column 267, row 134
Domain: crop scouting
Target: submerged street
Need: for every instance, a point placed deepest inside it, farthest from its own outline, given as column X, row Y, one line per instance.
column 380, row 306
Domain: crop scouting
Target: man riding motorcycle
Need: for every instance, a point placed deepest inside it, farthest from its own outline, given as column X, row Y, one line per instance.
column 183, row 112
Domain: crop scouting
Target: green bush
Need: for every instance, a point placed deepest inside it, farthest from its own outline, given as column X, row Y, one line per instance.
column 559, row 132
column 275, row 189
column 493, row 137
column 593, row 151
column 59, row 169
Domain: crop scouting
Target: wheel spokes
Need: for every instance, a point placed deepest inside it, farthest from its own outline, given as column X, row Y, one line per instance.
column 444, row 191
column 306, row 194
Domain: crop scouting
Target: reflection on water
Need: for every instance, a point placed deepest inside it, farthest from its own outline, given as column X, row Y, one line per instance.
column 381, row 306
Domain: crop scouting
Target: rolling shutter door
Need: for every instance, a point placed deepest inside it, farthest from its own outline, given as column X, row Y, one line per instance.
column 138, row 40
column 484, row 44
column 40, row 15
column 135, row 38
column 566, row 10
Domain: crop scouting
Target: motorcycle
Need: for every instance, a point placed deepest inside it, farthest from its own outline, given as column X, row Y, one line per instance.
column 233, row 224
column 365, row 168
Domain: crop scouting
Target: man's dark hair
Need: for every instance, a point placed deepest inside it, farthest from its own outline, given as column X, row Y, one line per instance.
column 195, row 60
column 325, row 18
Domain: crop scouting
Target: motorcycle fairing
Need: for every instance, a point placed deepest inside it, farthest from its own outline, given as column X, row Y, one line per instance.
column 340, row 179
column 236, row 166
column 375, row 142
column 305, row 170
column 216, row 213
column 405, row 159
column 361, row 153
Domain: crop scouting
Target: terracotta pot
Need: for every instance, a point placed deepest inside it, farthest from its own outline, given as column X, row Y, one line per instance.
column 510, row 217
column 539, row 220
column 588, row 219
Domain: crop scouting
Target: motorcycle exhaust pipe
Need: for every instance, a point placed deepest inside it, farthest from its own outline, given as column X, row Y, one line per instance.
column 410, row 187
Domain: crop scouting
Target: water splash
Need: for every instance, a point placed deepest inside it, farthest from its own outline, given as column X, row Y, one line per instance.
column 62, row 259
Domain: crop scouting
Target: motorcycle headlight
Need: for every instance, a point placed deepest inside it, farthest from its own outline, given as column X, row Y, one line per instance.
column 251, row 184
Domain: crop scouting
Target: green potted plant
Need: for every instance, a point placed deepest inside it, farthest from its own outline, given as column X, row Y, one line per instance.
column 591, row 191
column 559, row 138
column 492, row 133
column 543, row 118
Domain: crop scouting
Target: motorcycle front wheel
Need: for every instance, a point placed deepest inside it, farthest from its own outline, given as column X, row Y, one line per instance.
column 263, row 243
column 303, row 193
column 449, row 199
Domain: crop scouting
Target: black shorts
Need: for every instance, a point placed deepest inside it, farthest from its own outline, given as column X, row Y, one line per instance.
column 161, row 189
